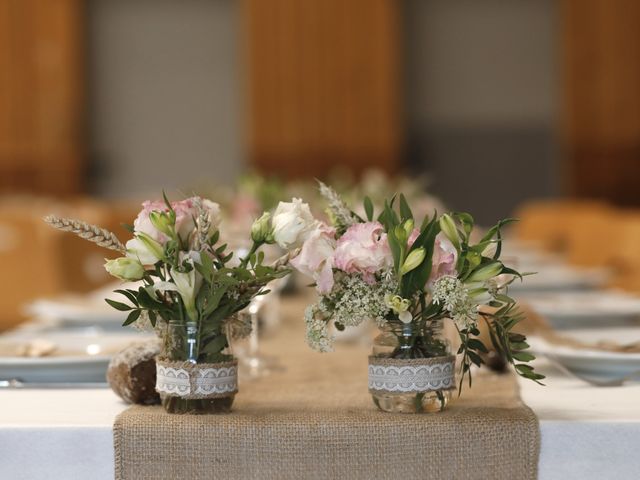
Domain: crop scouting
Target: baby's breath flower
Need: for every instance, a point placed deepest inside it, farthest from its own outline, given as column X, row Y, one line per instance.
column 451, row 293
column 318, row 336
column 355, row 300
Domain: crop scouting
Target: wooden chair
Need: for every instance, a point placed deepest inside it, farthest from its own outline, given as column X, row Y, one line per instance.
column 548, row 224
column 38, row 261
column 625, row 256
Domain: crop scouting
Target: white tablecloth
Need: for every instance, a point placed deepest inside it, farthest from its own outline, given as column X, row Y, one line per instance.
column 587, row 432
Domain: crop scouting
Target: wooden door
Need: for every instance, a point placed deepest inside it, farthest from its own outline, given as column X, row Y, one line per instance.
column 41, row 96
column 323, row 84
column 601, row 68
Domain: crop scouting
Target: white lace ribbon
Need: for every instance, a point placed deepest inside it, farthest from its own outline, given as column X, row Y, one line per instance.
column 196, row 381
column 390, row 375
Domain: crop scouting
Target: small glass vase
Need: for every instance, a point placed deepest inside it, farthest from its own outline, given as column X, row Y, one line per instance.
column 189, row 380
column 412, row 368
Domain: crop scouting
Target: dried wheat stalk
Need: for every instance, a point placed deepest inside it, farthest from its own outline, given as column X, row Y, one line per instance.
column 203, row 226
column 89, row 232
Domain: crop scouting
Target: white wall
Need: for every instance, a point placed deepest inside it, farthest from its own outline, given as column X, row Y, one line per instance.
column 164, row 94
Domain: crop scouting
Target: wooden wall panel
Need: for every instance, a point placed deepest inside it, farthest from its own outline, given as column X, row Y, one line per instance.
column 601, row 60
column 41, row 96
column 323, row 84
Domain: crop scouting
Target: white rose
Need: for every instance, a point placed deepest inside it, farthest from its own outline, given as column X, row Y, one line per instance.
column 292, row 222
column 146, row 253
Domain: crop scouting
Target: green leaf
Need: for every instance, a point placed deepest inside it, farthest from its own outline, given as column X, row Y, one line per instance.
column 475, row 358
column 522, row 368
column 501, row 297
column 396, row 249
column 216, row 345
column 511, row 271
column 132, row 317
column 368, row 208
column 118, row 305
column 477, row 345
column 466, row 220
column 130, row 294
column 388, row 217
column 146, row 300
column 417, row 278
column 405, row 210
column 523, row 356
column 166, row 201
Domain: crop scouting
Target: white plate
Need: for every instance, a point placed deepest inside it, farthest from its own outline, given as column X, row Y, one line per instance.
column 83, row 310
column 82, row 357
column 602, row 308
column 76, row 311
column 559, row 277
column 593, row 362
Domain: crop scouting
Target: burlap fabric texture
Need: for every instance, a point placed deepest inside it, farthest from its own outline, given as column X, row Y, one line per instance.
column 316, row 420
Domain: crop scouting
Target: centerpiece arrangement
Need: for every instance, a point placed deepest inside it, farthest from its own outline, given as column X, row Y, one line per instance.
column 190, row 288
column 409, row 277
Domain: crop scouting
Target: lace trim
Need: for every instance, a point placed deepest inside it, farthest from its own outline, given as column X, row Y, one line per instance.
column 193, row 381
column 388, row 375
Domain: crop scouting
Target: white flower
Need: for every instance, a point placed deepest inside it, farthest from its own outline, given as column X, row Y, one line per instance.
column 353, row 300
column 188, row 285
column 400, row 306
column 144, row 249
column 451, row 293
column 261, row 230
column 292, row 222
column 318, row 336
column 125, row 268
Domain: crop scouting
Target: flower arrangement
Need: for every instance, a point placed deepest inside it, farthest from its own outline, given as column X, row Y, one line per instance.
column 191, row 288
column 408, row 278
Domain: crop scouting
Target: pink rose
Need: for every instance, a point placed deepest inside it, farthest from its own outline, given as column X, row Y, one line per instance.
column 186, row 213
column 444, row 258
column 364, row 249
column 316, row 257
column 142, row 223
column 185, row 217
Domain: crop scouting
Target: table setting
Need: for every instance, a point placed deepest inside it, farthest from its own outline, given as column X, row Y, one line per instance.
column 408, row 355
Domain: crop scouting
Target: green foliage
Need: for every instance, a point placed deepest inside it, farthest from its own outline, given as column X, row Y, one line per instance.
column 477, row 266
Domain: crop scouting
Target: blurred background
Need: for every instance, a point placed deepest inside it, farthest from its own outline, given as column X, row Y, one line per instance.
column 500, row 107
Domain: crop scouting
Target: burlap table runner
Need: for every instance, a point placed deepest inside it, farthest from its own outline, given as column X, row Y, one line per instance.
column 316, row 420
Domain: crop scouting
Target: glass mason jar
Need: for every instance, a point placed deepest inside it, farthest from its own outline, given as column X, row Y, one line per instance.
column 181, row 347
column 412, row 368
